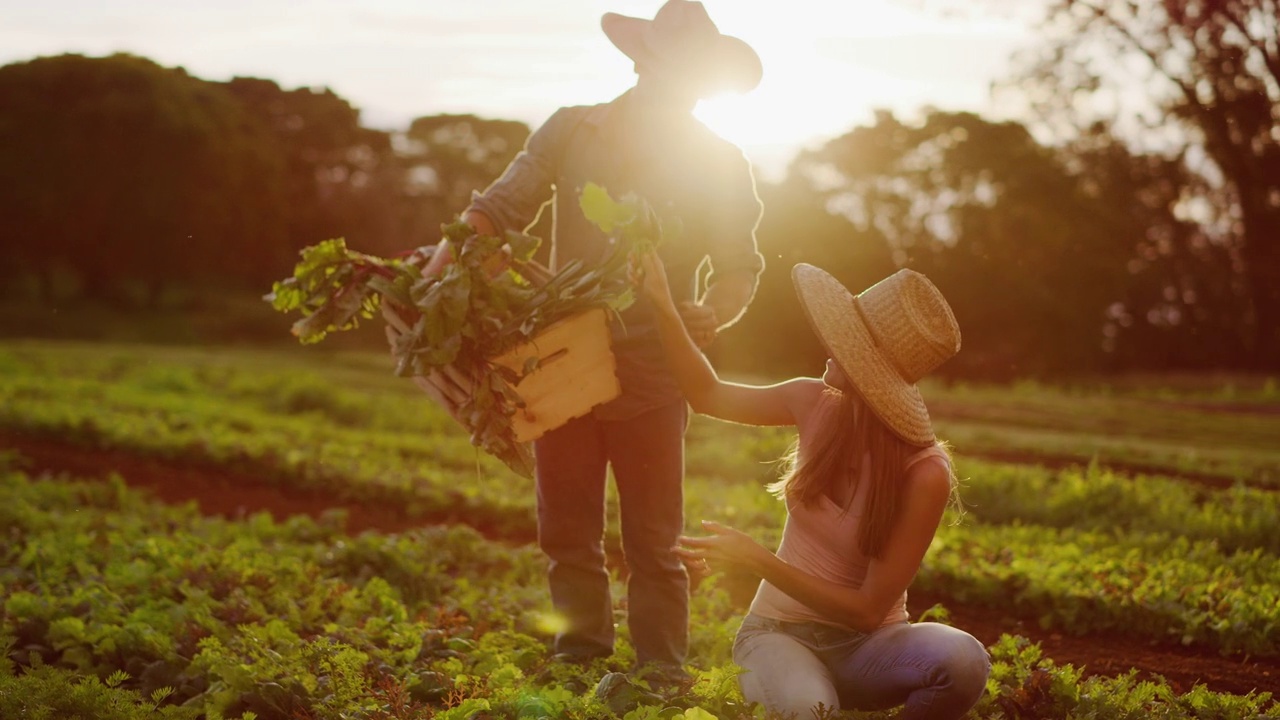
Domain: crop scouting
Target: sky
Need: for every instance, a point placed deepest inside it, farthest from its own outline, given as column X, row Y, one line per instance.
column 827, row 63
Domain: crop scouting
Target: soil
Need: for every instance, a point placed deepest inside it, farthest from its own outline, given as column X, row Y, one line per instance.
column 218, row 492
column 1128, row 470
column 1229, row 408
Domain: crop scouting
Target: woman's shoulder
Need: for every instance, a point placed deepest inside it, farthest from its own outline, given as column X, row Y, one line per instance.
column 930, row 467
column 937, row 450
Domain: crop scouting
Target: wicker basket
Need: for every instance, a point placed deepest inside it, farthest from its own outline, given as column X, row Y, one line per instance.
column 576, row 372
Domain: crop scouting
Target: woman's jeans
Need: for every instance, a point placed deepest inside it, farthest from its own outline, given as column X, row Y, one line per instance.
column 647, row 457
column 935, row 671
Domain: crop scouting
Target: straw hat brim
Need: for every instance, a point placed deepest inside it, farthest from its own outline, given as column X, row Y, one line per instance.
column 833, row 314
column 734, row 65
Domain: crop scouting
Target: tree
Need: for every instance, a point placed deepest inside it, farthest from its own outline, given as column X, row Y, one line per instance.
column 1053, row 262
column 335, row 171
column 1181, row 304
column 985, row 212
column 446, row 158
column 128, row 174
column 1211, row 70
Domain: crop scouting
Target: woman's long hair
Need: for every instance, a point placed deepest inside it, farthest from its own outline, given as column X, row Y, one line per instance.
column 853, row 435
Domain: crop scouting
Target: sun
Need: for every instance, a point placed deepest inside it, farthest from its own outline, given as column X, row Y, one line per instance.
column 782, row 110
column 792, row 109
column 807, row 93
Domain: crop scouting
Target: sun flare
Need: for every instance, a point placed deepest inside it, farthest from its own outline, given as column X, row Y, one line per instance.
column 820, row 80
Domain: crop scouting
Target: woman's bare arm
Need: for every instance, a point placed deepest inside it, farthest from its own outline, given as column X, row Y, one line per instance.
column 926, row 494
column 705, row 391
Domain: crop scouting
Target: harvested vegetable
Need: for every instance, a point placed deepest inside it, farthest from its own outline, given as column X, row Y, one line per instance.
column 469, row 314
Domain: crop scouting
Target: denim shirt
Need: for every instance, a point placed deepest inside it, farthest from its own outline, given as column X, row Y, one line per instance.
column 682, row 169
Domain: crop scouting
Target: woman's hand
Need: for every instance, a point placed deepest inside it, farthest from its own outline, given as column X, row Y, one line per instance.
column 651, row 275
column 724, row 545
column 699, row 320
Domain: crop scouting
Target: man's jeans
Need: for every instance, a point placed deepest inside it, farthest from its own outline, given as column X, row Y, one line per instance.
column 936, row 671
column 647, row 455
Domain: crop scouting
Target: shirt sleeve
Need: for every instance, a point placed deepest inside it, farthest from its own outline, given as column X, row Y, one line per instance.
column 735, row 214
column 513, row 200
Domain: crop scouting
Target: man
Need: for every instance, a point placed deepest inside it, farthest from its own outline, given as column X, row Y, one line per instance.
column 648, row 142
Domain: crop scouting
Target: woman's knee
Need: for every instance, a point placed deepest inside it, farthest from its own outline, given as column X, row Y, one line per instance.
column 781, row 674
column 964, row 662
column 797, row 696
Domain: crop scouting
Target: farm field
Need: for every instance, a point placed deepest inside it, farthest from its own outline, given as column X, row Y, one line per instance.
column 297, row 533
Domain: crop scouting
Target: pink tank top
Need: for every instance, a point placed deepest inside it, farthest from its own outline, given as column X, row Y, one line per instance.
column 822, row 540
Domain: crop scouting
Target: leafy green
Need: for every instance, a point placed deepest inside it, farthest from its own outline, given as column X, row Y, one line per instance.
column 182, row 616
column 629, row 219
column 482, row 305
column 333, row 287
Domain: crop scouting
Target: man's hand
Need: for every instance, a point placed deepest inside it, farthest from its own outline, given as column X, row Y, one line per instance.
column 438, row 260
column 701, row 322
column 442, row 257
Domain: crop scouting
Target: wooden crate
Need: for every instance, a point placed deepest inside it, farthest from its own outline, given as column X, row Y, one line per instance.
column 576, row 372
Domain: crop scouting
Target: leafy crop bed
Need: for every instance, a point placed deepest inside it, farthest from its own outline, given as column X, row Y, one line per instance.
column 87, row 567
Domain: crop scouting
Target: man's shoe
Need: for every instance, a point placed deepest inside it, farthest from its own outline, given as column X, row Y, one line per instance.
column 665, row 678
column 568, row 670
column 622, row 696
column 577, row 658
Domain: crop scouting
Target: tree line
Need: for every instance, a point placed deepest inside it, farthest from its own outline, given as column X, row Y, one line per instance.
column 123, row 182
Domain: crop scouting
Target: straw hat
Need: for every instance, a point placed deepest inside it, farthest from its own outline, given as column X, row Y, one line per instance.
column 885, row 339
column 681, row 37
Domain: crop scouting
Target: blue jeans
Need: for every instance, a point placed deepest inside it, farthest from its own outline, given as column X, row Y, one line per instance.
column 935, row 671
column 647, row 456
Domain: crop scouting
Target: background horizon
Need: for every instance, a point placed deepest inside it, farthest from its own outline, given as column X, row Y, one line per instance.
column 828, row 66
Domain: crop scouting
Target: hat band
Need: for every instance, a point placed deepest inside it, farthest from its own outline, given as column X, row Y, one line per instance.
column 879, row 343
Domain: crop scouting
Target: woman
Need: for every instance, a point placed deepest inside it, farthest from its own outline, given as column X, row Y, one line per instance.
column 866, row 491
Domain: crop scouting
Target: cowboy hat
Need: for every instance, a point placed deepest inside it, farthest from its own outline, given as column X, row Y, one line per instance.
column 682, row 36
column 884, row 339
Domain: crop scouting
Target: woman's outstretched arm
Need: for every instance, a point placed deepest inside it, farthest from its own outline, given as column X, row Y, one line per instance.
column 705, row 391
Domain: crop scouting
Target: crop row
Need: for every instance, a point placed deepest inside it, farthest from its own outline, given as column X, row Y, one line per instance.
column 359, row 433
column 1216, row 438
column 186, row 616
column 1159, row 557
column 435, row 472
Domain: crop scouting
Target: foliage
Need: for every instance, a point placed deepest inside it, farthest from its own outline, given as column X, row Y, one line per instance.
column 279, row 620
column 1219, row 436
column 190, row 191
column 1091, row 498
column 1157, row 586
column 336, row 173
column 474, row 310
column 1025, row 684
column 173, row 184
column 447, row 157
column 1213, row 75
column 976, row 205
column 1155, row 558
column 49, row 693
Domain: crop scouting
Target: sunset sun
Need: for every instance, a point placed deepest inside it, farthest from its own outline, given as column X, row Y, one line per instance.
column 814, row 86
